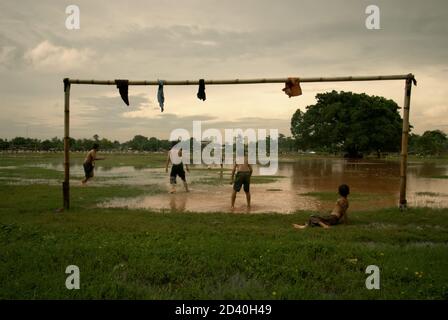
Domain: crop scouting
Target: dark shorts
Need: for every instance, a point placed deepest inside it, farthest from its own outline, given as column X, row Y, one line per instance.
column 177, row 170
column 88, row 170
column 242, row 179
column 330, row 220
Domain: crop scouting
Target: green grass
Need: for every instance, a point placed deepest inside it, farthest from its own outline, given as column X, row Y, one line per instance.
column 152, row 255
column 33, row 166
column 440, row 177
column 139, row 161
column 141, row 254
column 414, row 158
column 31, row 173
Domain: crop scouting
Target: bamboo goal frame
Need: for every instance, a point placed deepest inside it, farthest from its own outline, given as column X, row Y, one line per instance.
column 409, row 80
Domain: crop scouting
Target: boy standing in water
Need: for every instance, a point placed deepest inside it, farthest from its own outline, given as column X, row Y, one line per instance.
column 338, row 215
column 176, row 169
column 243, row 174
column 89, row 163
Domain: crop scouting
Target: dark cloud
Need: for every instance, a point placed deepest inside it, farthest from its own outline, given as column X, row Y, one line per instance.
column 218, row 39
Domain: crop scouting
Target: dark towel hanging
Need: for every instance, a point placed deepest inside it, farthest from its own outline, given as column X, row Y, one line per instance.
column 122, row 86
column 201, row 91
column 161, row 95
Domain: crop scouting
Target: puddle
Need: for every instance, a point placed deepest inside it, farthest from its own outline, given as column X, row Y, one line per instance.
column 376, row 181
column 217, row 199
column 286, row 195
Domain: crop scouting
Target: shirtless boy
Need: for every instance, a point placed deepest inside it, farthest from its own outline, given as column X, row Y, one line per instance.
column 89, row 163
column 243, row 174
column 338, row 215
column 176, row 169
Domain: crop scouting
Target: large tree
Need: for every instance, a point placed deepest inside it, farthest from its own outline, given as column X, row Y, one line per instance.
column 433, row 142
column 349, row 122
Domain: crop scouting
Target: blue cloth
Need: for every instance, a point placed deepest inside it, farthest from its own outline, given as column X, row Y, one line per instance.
column 160, row 95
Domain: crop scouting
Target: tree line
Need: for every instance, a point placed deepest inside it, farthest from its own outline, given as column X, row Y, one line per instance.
column 138, row 143
column 433, row 142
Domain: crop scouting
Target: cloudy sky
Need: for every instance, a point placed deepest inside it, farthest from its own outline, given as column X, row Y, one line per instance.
column 191, row 39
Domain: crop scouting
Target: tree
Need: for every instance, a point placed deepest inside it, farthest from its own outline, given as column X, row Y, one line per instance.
column 57, row 143
column 106, row 144
column 19, row 143
column 139, row 143
column 4, row 144
column 286, row 144
column 46, row 145
column 348, row 122
column 153, row 144
column 433, row 142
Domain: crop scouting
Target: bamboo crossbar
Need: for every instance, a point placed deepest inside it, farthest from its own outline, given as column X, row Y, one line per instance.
column 245, row 81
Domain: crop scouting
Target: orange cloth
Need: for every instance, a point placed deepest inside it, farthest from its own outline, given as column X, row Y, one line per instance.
column 292, row 87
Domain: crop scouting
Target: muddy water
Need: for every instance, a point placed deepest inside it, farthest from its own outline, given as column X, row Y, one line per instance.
column 373, row 184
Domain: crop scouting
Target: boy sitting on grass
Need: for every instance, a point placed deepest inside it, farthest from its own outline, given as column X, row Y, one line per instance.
column 89, row 163
column 338, row 215
column 243, row 174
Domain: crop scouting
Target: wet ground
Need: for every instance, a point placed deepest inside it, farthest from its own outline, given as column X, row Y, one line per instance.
column 301, row 184
column 307, row 184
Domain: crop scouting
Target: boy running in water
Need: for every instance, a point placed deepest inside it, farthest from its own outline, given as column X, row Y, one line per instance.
column 338, row 215
column 176, row 169
column 89, row 163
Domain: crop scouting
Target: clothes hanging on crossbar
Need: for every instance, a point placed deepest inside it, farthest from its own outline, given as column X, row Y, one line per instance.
column 201, row 91
column 123, row 86
column 161, row 96
column 292, row 87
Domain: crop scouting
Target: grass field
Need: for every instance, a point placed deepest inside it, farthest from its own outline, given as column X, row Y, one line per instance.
column 152, row 255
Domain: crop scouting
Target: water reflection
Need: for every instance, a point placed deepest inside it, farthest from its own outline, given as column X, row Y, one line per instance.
column 178, row 202
column 325, row 174
column 373, row 183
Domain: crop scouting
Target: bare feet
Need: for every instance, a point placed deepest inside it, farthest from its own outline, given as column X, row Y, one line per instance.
column 299, row 226
column 324, row 225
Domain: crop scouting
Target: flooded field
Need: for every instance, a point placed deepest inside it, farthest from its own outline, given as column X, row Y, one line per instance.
column 308, row 184
column 300, row 184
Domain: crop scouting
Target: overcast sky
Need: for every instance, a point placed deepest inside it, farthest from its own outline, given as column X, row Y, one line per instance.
column 189, row 40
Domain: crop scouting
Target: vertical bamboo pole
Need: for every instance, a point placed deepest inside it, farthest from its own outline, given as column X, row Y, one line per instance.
column 66, row 183
column 404, row 142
